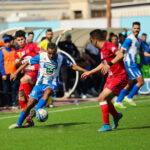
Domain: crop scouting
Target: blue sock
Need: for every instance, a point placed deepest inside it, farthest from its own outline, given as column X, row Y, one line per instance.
column 133, row 91
column 121, row 96
column 21, row 118
column 40, row 104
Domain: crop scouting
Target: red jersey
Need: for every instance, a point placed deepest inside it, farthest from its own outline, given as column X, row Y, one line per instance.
column 29, row 51
column 107, row 54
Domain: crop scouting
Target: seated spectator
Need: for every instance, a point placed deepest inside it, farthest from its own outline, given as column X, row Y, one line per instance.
column 7, row 65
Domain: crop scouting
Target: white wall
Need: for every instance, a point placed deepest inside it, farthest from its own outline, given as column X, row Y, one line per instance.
column 89, row 23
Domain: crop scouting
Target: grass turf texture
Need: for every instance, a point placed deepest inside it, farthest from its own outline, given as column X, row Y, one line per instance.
column 76, row 129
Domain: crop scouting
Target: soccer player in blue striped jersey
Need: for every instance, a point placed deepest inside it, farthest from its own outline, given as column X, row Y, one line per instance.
column 50, row 63
column 132, row 46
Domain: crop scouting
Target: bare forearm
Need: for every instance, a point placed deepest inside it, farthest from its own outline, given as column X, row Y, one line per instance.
column 21, row 67
column 97, row 69
column 119, row 56
column 78, row 68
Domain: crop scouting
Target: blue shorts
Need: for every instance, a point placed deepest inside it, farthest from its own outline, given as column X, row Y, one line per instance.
column 133, row 72
column 38, row 90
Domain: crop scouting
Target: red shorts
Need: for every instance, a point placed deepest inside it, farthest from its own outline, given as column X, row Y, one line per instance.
column 117, row 83
column 33, row 75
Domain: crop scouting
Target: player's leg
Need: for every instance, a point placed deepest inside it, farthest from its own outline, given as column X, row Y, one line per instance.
column 136, row 87
column 122, row 95
column 43, row 100
column 27, row 84
column 104, row 104
column 115, row 85
column 25, row 112
column 34, row 96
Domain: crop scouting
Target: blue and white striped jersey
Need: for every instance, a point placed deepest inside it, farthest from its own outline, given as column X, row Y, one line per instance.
column 49, row 69
column 132, row 47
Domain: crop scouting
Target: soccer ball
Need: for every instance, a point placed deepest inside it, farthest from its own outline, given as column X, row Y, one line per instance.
column 41, row 115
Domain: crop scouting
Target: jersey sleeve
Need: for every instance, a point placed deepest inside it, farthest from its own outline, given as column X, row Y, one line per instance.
column 126, row 44
column 113, row 48
column 66, row 62
column 2, row 63
column 35, row 60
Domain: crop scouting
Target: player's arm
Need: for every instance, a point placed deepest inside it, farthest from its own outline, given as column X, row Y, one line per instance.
column 78, row 68
column 14, row 75
column 93, row 71
column 32, row 61
column 119, row 55
column 18, row 61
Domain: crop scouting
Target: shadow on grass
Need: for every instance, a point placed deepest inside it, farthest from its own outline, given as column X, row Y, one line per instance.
column 135, row 128
column 64, row 125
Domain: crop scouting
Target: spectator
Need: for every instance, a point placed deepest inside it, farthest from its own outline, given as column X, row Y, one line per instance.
column 104, row 34
column 69, row 47
column 2, row 42
column 43, row 44
column 110, row 35
column 145, row 61
column 7, row 65
column 30, row 37
column 67, row 74
column 114, row 40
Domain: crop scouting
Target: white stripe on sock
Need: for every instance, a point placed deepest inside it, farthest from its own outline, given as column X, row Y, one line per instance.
column 103, row 103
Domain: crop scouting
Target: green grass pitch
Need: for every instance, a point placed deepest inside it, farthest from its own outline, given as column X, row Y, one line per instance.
column 75, row 128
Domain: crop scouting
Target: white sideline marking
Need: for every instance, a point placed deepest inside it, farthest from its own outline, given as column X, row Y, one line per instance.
column 68, row 109
column 54, row 111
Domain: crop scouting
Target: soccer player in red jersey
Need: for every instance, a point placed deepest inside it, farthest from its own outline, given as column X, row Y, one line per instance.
column 28, row 80
column 112, row 63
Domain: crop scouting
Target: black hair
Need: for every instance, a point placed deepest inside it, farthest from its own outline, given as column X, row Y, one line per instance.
column 52, row 46
column 144, row 34
column 97, row 34
column 49, row 30
column 11, row 37
column 114, row 35
column 136, row 23
column 30, row 33
column 20, row 33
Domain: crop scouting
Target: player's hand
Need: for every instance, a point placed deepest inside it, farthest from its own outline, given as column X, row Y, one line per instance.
column 4, row 77
column 105, row 69
column 85, row 75
column 13, row 76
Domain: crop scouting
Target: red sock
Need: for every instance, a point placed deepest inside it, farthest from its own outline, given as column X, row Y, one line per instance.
column 22, row 103
column 112, row 110
column 28, row 118
column 27, row 89
column 105, row 111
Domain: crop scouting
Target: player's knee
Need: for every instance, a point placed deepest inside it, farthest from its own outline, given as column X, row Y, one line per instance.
column 25, row 79
column 30, row 105
column 141, row 83
column 48, row 92
column 101, row 99
column 21, row 96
